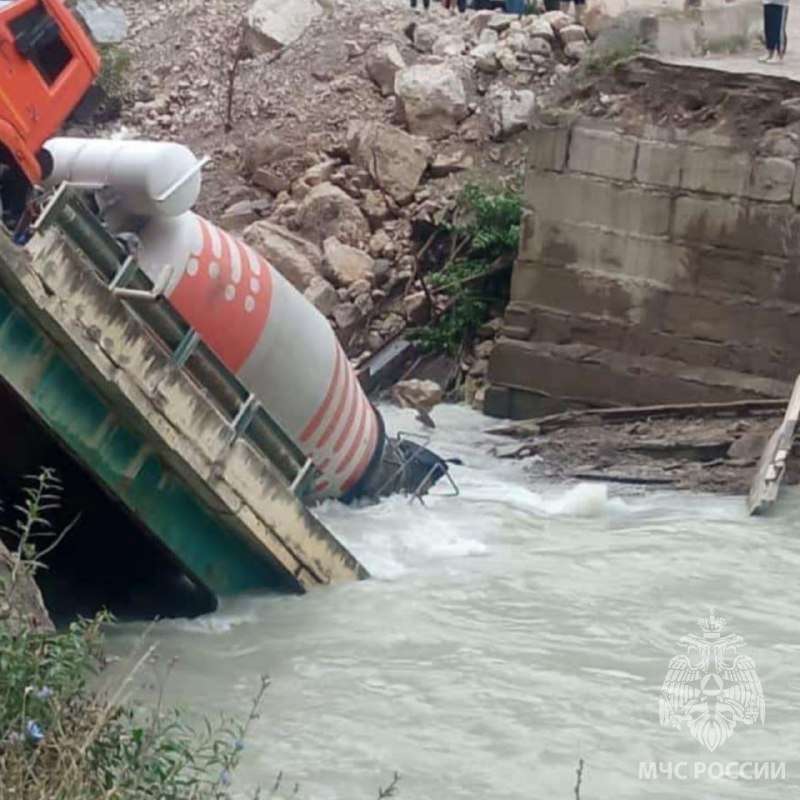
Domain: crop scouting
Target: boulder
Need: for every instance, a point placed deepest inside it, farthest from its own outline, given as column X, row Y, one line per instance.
column 449, row 45
column 264, row 150
column 425, row 36
column 432, row 99
column 479, row 21
column 396, row 160
column 556, row 19
column 499, row 22
column 418, row 394
column 485, row 56
column 447, row 163
column 239, row 215
column 573, row 33
column 344, row 265
column 517, row 41
column 510, row 110
column 383, row 64
column 508, row 59
column 374, row 206
column 540, row 47
column 322, row 295
column 379, row 244
column 298, row 260
column 539, row 28
column 328, row 211
column 271, row 25
column 346, row 316
column 107, row 24
column 576, row 50
column 488, row 36
column 271, row 180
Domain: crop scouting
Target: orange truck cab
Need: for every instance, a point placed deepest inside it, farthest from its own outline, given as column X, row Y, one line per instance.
column 47, row 65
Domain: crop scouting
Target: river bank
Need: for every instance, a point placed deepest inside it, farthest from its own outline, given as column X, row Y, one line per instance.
column 693, row 451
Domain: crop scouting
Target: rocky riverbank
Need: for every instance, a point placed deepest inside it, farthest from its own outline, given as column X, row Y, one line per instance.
column 341, row 133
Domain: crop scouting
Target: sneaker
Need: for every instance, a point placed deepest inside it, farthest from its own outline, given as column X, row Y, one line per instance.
column 766, row 58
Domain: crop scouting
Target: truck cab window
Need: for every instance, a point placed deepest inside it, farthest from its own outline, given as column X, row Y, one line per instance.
column 37, row 38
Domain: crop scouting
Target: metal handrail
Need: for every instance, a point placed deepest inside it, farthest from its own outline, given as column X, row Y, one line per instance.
column 168, row 328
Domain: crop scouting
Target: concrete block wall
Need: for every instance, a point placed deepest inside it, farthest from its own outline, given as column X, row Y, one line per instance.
column 666, row 253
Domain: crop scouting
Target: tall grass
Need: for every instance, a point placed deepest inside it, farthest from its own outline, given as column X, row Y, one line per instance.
column 69, row 733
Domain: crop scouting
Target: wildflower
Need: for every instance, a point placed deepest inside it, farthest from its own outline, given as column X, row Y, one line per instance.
column 45, row 693
column 33, row 731
column 225, row 778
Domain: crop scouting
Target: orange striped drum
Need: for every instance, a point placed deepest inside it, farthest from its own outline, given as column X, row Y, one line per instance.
column 280, row 347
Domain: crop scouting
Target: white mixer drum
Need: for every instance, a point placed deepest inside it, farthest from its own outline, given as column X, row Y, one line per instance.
column 280, row 347
column 147, row 178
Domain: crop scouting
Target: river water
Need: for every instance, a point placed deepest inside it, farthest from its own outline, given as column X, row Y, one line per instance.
column 506, row 634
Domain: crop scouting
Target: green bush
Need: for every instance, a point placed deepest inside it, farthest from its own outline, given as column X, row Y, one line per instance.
column 484, row 235
column 114, row 78
column 61, row 739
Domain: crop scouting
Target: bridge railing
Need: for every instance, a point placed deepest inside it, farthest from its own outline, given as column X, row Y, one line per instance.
column 119, row 271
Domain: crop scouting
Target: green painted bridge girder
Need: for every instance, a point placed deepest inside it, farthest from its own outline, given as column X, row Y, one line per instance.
column 121, row 460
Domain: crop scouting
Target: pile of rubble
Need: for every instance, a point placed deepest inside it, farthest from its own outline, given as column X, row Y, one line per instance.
column 352, row 127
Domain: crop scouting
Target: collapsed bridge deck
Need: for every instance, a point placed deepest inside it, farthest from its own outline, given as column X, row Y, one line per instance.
column 160, row 425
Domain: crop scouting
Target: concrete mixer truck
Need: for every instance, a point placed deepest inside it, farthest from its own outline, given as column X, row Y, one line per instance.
column 47, row 67
column 279, row 346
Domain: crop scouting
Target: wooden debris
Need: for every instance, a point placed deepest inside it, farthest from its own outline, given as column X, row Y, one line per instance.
column 567, row 419
column 772, row 466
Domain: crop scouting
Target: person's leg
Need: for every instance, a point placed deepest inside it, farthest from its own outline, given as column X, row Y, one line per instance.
column 580, row 7
column 770, row 28
column 782, row 42
column 462, row 5
column 413, row 3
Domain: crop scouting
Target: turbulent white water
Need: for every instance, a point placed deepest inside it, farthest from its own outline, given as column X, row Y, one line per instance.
column 504, row 635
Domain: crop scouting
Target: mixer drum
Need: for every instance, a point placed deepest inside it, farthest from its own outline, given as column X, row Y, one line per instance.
column 279, row 345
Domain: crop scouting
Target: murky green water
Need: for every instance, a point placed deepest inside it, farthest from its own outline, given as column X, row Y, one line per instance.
column 505, row 635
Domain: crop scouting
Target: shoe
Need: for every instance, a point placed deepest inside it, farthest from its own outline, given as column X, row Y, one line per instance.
column 766, row 58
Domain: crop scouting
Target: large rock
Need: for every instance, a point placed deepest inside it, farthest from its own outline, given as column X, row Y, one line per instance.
column 271, row 25
column 539, row 28
column 419, row 394
column 557, row 19
column 322, row 295
column 432, row 99
column 344, row 265
column 573, row 33
column 383, row 63
column 298, row 260
column 107, row 24
column 485, row 56
column 510, row 110
column 264, row 150
column 449, row 45
column 425, row 35
column 396, row 160
column 328, row 211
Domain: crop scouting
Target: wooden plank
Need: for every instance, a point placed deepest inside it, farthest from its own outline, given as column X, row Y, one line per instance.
column 631, row 414
column 772, row 466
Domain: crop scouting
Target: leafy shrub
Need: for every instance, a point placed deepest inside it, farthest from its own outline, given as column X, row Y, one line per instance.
column 484, row 235
column 60, row 739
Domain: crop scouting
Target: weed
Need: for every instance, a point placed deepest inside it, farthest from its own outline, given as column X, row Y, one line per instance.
column 484, row 235
column 597, row 63
column 62, row 740
column 114, row 78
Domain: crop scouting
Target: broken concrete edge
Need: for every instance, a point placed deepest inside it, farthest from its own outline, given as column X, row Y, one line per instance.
column 59, row 291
